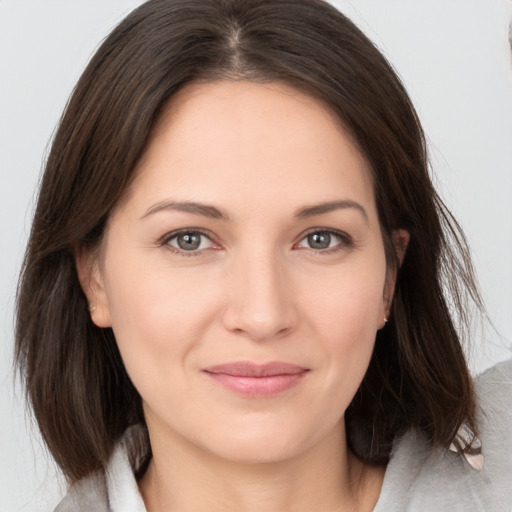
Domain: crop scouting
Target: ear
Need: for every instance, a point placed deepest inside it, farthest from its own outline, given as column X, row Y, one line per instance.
column 400, row 239
column 91, row 280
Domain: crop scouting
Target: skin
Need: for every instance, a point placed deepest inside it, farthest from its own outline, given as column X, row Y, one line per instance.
column 255, row 290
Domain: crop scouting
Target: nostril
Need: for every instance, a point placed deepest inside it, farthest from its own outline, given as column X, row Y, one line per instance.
column 242, row 321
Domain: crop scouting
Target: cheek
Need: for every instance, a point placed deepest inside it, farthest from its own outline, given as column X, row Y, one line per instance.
column 347, row 318
column 150, row 296
column 349, row 304
column 350, row 334
column 158, row 316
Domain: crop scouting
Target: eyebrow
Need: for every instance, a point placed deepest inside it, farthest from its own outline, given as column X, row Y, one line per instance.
column 321, row 208
column 189, row 207
column 215, row 213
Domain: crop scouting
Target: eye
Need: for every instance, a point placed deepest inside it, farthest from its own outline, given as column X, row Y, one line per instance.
column 322, row 240
column 189, row 241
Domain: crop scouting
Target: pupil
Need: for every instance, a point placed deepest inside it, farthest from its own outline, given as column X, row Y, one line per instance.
column 189, row 241
column 319, row 240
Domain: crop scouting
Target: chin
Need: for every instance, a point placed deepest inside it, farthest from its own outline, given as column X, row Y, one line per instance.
column 263, row 451
column 272, row 444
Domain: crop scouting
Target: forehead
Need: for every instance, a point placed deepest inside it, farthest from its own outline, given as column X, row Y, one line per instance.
column 236, row 138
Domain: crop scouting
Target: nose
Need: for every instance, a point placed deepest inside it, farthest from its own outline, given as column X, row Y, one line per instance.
column 260, row 298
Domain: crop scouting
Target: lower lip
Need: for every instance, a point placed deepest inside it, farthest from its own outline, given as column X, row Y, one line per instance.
column 257, row 387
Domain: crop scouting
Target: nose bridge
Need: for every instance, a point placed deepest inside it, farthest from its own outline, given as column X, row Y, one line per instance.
column 260, row 304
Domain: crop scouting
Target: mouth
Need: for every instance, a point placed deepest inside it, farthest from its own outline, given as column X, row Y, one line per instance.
column 254, row 380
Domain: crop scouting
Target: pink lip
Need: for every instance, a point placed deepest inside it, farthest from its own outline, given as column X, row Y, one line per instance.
column 254, row 380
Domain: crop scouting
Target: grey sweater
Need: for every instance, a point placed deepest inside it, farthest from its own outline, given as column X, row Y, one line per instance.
column 417, row 479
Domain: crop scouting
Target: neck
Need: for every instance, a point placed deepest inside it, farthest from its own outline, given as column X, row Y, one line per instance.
column 326, row 477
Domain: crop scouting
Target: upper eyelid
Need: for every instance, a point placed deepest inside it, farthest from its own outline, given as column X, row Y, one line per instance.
column 164, row 242
column 173, row 234
column 346, row 240
column 337, row 232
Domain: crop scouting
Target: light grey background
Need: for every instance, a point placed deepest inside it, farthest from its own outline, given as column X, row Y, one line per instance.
column 454, row 58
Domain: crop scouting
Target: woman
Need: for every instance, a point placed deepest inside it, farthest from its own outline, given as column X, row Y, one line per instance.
column 234, row 294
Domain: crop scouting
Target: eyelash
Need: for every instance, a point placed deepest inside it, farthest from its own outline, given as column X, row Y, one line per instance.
column 164, row 241
column 346, row 241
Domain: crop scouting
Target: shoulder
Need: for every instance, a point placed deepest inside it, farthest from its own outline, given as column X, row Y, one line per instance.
column 115, row 488
column 494, row 387
column 88, row 494
column 422, row 479
column 494, row 394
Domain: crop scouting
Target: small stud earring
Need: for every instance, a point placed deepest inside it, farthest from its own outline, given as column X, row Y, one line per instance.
column 92, row 309
column 386, row 320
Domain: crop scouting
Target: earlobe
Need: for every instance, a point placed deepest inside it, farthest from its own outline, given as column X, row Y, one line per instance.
column 91, row 281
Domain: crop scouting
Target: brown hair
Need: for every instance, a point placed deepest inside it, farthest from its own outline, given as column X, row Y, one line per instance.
column 80, row 392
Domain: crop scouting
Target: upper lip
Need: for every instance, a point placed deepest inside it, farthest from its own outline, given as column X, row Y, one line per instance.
column 250, row 369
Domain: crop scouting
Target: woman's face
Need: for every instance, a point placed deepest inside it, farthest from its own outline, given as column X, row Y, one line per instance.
column 244, row 273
